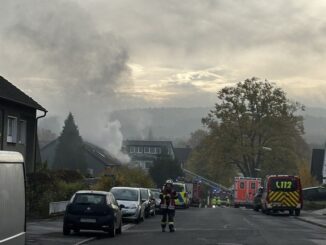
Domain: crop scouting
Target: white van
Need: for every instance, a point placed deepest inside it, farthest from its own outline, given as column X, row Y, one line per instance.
column 12, row 198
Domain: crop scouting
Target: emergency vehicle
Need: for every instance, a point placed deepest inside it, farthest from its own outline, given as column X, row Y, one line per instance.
column 183, row 200
column 282, row 193
column 245, row 189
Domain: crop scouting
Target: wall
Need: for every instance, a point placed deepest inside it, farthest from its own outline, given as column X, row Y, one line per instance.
column 27, row 149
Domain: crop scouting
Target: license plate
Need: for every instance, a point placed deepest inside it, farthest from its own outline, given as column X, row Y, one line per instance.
column 88, row 220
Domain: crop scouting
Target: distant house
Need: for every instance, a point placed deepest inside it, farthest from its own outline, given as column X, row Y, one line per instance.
column 18, row 123
column 182, row 155
column 318, row 165
column 97, row 158
column 143, row 153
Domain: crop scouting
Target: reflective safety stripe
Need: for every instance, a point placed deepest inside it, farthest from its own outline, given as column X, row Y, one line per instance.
column 163, row 223
column 288, row 199
column 164, row 206
column 171, row 223
column 171, row 207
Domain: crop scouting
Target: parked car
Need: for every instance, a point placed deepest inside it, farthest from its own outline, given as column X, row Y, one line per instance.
column 314, row 193
column 12, row 198
column 156, row 197
column 134, row 208
column 148, row 201
column 257, row 199
column 93, row 210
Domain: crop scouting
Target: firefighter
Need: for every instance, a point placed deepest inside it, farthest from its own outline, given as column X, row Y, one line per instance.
column 214, row 201
column 168, row 196
column 218, row 201
column 228, row 201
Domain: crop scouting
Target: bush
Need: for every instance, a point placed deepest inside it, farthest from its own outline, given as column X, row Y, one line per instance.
column 123, row 176
column 47, row 186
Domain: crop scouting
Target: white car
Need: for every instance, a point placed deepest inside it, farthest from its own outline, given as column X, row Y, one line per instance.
column 130, row 198
column 12, row 198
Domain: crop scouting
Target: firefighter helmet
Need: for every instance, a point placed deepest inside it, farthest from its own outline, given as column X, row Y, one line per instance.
column 169, row 181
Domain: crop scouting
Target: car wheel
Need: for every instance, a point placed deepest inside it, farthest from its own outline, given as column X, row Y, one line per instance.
column 112, row 231
column 256, row 209
column 137, row 221
column 65, row 230
column 153, row 213
column 143, row 217
column 291, row 212
column 119, row 230
column 76, row 230
column 297, row 212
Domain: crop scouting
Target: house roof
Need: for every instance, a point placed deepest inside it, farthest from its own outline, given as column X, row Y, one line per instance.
column 11, row 93
column 100, row 154
column 182, row 154
column 147, row 143
column 317, row 163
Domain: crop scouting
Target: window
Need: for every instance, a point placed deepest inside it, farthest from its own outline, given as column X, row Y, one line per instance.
column 152, row 149
column 132, row 149
column 253, row 186
column 241, row 185
column 89, row 199
column 159, row 150
column 12, row 130
column 146, row 149
column 22, row 132
column 139, row 149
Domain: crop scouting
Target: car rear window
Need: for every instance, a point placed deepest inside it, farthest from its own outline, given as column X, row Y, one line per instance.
column 156, row 194
column 179, row 188
column 283, row 184
column 125, row 194
column 89, row 199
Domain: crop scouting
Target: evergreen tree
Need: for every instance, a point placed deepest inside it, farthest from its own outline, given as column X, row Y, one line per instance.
column 165, row 168
column 70, row 149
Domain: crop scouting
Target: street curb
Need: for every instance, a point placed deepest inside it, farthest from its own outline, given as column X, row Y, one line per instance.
column 311, row 222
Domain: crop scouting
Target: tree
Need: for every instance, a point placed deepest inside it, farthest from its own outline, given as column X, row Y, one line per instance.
column 70, row 150
column 165, row 168
column 307, row 179
column 252, row 116
column 196, row 138
column 124, row 176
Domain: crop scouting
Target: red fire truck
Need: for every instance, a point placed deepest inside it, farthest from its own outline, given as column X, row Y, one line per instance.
column 244, row 191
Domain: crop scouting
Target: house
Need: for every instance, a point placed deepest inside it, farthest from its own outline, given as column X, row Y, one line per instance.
column 318, row 165
column 97, row 159
column 182, row 155
column 143, row 153
column 18, row 123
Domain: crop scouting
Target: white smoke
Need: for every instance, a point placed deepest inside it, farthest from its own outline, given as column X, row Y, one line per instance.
column 54, row 47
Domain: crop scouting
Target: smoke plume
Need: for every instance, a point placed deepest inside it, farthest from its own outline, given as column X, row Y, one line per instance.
column 79, row 68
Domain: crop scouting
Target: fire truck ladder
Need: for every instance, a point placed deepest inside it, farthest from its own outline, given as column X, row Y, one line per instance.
column 206, row 181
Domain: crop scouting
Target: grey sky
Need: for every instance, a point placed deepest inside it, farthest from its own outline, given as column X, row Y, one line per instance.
column 174, row 49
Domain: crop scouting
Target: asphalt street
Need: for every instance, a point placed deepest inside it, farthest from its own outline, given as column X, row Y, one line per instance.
column 222, row 226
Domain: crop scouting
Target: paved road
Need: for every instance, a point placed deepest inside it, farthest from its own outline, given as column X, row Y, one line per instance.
column 222, row 226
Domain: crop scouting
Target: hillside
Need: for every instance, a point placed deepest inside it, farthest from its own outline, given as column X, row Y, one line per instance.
column 178, row 123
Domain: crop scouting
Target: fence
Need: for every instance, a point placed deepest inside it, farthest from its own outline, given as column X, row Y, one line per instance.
column 57, row 207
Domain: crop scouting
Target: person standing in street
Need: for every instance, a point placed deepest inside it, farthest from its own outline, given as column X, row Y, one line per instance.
column 168, row 196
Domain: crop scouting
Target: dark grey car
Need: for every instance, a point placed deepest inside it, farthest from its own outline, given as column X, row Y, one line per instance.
column 93, row 210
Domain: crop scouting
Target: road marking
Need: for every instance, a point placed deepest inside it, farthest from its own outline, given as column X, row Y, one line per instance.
column 124, row 228
column 84, row 241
